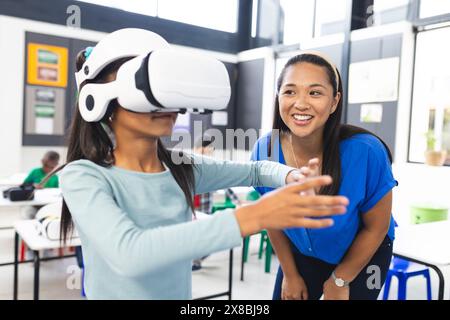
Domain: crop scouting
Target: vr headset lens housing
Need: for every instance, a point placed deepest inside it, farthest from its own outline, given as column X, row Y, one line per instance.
column 163, row 80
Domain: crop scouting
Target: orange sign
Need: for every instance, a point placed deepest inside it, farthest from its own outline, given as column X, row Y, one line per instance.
column 47, row 65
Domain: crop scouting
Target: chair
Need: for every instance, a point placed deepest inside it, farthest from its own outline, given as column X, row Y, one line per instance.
column 79, row 256
column 228, row 204
column 403, row 270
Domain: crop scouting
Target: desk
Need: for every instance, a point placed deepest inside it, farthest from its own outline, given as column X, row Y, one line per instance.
column 427, row 244
column 14, row 180
column 201, row 215
column 28, row 232
column 41, row 198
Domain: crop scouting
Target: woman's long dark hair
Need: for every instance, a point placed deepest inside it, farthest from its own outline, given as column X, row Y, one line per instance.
column 89, row 140
column 334, row 131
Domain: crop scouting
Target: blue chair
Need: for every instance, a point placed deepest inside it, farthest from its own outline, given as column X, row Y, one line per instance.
column 403, row 270
column 79, row 256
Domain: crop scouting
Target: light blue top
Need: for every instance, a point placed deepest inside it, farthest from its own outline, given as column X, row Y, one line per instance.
column 136, row 231
column 366, row 177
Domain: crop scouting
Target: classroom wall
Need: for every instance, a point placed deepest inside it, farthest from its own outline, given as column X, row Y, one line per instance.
column 418, row 183
column 15, row 157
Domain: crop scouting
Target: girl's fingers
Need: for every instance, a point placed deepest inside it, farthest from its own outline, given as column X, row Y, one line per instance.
column 315, row 224
column 321, row 212
column 320, row 201
column 311, row 183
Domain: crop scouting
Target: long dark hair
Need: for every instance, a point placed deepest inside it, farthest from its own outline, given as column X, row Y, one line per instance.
column 334, row 131
column 89, row 140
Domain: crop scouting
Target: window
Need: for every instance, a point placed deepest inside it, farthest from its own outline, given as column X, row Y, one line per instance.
column 298, row 20
column 430, row 8
column 389, row 11
column 330, row 17
column 215, row 14
column 255, row 5
column 430, row 121
column 146, row 7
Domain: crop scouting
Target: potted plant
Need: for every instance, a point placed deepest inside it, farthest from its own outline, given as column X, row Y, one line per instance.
column 434, row 157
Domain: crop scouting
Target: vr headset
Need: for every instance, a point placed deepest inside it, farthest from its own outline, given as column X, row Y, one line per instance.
column 23, row 192
column 156, row 79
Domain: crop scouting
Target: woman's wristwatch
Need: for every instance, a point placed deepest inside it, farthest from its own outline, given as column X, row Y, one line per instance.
column 341, row 283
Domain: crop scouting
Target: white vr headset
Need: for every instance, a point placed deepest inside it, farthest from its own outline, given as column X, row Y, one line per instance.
column 156, row 79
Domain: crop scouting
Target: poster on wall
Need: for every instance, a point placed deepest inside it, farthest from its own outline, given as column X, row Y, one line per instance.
column 47, row 65
column 44, row 112
column 374, row 80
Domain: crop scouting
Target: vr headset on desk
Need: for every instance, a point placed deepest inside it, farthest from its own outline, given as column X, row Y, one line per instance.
column 23, row 192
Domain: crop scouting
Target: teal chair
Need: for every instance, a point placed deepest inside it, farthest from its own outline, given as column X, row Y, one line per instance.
column 228, row 204
column 264, row 244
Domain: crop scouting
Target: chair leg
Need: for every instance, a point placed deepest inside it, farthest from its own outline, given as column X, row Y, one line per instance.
column 245, row 248
column 261, row 245
column 22, row 250
column 83, row 294
column 427, row 277
column 268, row 255
column 402, row 286
column 387, row 286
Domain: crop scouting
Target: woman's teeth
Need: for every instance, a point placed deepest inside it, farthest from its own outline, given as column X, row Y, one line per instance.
column 302, row 117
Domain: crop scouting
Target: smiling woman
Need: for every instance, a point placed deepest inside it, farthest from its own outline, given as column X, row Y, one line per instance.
column 332, row 261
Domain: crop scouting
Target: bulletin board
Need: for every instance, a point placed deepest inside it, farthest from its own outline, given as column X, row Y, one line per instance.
column 373, row 85
column 49, row 88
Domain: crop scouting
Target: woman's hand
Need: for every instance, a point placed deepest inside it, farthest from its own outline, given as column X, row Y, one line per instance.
column 332, row 292
column 302, row 174
column 310, row 171
column 294, row 176
column 285, row 208
column 293, row 288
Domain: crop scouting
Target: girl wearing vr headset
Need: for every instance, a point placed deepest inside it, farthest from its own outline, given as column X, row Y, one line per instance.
column 132, row 203
column 349, row 260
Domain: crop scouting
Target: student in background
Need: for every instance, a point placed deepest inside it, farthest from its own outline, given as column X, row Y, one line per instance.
column 49, row 162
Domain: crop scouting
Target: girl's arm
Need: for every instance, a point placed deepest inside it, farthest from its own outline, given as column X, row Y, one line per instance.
column 127, row 248
column 133, row 251
column 211, row 174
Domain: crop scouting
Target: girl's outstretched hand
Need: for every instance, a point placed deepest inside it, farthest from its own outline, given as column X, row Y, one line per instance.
column 286, row 207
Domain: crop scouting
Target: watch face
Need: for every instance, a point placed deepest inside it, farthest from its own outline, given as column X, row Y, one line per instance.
column 339, row 282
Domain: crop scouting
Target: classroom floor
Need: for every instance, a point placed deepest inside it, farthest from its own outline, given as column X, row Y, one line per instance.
column 58, row 275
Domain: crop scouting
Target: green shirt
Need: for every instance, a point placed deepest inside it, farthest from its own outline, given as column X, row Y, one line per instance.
column 37, row 175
